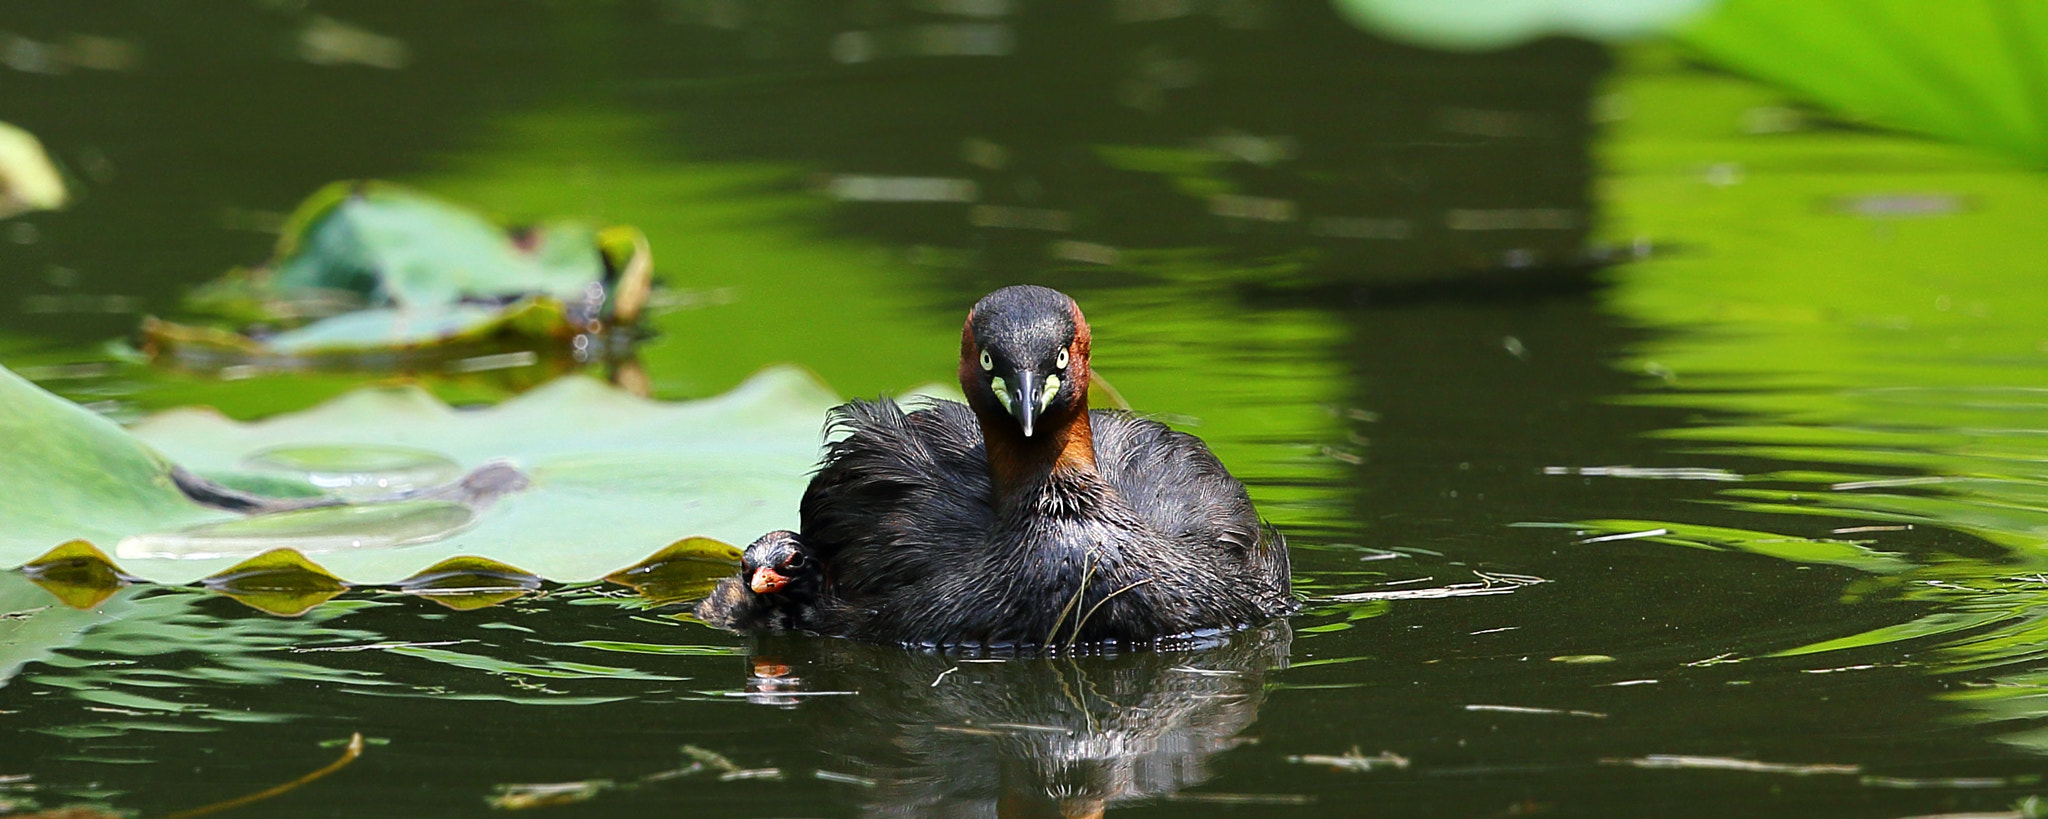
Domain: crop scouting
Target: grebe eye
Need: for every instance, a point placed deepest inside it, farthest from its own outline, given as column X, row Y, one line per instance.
column 987, row 362
column 1061, row 362
column 795, row 561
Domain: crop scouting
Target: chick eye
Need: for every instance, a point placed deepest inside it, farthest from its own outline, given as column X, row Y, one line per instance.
column 1061, row 362
column 987, row 362
column 795, row 561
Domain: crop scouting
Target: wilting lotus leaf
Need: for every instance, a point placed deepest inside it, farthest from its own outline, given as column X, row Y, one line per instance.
column 369, row 267
column 613, row 478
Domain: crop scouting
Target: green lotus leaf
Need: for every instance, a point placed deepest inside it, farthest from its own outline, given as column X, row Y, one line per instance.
column 69, row 474
column 610, row 479
column 1967, row 71
column 1472, row 25
column 366, row 268
column 389, row 245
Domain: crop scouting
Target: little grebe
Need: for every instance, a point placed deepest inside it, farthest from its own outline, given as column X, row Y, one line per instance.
column 776, row 590
column 1021, row 518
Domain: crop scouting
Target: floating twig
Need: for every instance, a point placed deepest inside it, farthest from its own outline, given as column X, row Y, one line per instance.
column 348, row 755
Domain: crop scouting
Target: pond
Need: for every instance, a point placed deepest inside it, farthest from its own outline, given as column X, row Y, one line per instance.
column 1647, row 442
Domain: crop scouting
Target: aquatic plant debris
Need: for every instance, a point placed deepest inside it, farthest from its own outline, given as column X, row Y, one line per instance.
column 1523, row 709
column 525, row 796
column 615, row 479
column 1489, row 583
column 1723, row 763
column 1657, row 473
column 1354, row 760
column 549, row 794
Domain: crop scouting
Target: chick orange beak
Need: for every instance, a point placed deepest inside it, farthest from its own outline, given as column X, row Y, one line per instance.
column 767, row 581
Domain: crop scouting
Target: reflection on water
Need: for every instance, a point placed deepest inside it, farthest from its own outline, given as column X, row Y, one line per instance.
column 1056, row 736
column 1889, row 417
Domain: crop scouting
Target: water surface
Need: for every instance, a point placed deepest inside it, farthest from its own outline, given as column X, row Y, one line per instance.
column 1748, row 524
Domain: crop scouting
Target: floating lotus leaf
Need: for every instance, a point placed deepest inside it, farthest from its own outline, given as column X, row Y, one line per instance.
column 1487, row 24
column 609, row 479
column 281, row 582
column 69, row 474
column 466, row 583
column 366, row 268
column 686, row 570
column 384, row 244
column 79, row 575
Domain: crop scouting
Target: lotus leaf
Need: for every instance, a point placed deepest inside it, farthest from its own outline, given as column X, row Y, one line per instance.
column 1486, row 24
column 1967, row 71
column 68, row 473
column 374, row 267
column 614, row 478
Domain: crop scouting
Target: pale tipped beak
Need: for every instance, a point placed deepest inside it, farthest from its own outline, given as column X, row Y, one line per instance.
column 1024, row 400
column 767, row 581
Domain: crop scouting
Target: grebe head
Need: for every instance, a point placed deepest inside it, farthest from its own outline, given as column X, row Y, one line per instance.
column 773, row 562
column 1025, row 349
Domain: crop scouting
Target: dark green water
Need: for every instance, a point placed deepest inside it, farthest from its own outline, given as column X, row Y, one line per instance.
column 1375, row 279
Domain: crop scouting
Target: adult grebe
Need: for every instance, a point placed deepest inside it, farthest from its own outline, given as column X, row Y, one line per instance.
column 1021, row 518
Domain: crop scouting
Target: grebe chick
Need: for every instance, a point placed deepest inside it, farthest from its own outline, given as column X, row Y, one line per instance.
column 776, row 590
column 1022, row 518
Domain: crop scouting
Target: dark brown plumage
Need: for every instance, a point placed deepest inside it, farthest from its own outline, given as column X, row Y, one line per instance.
column 776, row 589
column 1022, row 518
